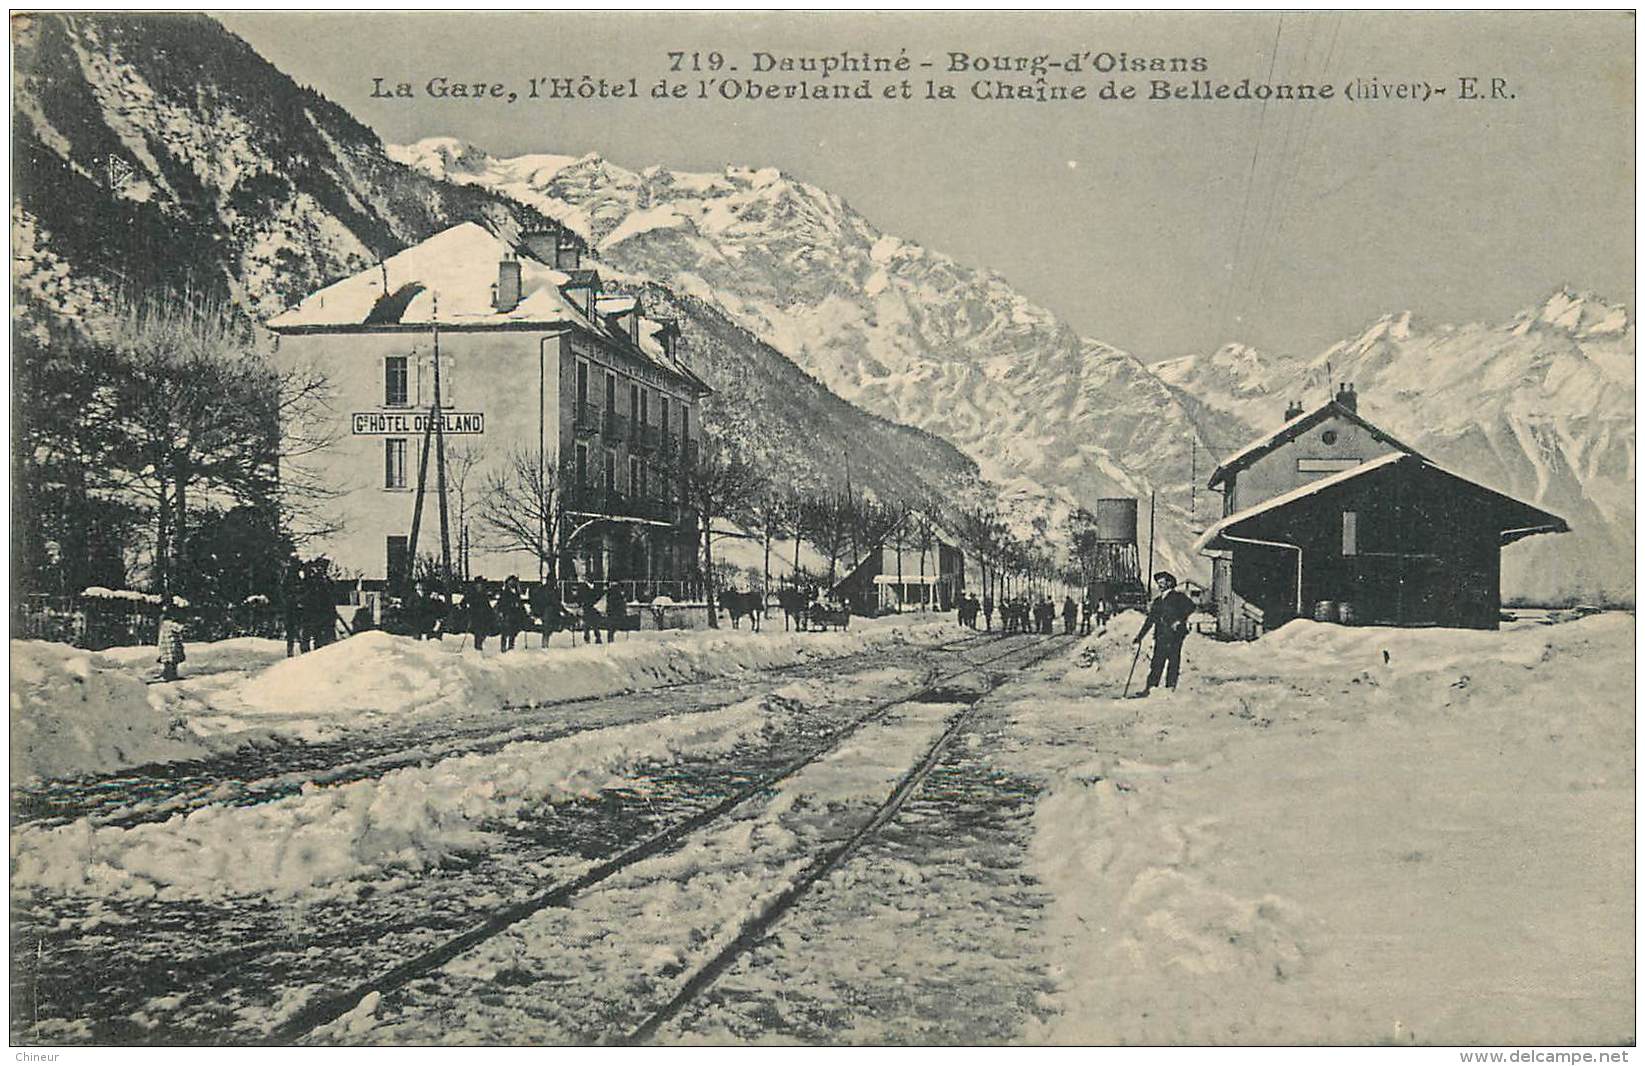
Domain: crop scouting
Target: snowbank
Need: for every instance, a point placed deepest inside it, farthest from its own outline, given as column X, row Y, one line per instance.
column 1317, row 842
column 76, row 713
column 404, row 821
column 73, row 711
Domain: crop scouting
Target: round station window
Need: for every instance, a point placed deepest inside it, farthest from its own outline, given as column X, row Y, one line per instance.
column 1329, row 436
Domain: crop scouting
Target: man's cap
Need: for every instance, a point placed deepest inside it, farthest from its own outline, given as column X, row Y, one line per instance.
column 1167, row 577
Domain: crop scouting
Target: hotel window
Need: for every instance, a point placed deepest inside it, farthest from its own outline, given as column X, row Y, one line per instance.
column 582, row 466
column 394, row 463
column 636, row 478
column 662, row 414
column 610, row 471
column 396, row 381
column 633, row 400
column 1350, row 532
column 645, row 407
column 399, row 560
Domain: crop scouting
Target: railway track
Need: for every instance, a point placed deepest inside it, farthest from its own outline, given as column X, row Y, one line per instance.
column 324, row 1011
column 213, row 970
column 193, row 785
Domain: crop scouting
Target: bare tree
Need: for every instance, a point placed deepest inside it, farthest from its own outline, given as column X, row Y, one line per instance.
column 525, row 504
column 720, row 484
column 828, row 526
column 461, row 462
column 773, row 514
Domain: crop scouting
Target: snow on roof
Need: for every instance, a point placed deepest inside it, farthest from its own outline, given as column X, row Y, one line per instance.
column 1217, row 529
column 1292, row 428
column 1221, row 526
column 451, row 277
column 457, row 269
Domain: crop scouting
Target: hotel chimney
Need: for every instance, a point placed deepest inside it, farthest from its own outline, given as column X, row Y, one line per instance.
column 506, row 296
column 1347, row 397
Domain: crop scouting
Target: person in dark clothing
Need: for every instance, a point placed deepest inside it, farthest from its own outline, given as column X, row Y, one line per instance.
column 510, row 612
column 319, row 608
column 293, row 591
column 482, row 619
column 1085, row 617
column 987, row 613
column 546, row 605
column 1070, row 614
column 588, row 597
column 616, row 611
column 1168, row 618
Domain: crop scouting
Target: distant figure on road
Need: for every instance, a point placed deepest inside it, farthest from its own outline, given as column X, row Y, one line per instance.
column 482, row 620
column 1168, row 618
column 1085, row 617
column 587, row 598
column 987, row 613
column 616, row 611
column 169, row 643
column 510, row 612
column 1070, row 615
column 546, row 605
column 293, row 593
column 319, row 609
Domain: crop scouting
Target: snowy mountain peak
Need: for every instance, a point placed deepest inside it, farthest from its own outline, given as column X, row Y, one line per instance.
column 1582, row 314
column 440, row 157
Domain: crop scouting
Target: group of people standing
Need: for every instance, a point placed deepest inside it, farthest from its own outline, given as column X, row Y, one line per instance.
column 308, row 605
column 508, row 610
column 1024, row 614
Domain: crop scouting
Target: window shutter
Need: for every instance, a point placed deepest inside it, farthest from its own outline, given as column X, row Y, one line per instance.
column 448, row 380
column 1350, row 532
column 417, row 360
column 382, row 382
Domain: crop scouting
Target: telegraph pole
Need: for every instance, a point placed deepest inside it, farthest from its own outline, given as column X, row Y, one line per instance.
column 440, row 460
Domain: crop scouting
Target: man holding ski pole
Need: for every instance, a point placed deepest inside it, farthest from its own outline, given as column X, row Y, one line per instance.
column 1168, row 618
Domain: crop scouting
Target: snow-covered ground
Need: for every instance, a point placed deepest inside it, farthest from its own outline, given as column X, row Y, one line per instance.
column 1331, row 835
column 75, row 712
column 1342, row 835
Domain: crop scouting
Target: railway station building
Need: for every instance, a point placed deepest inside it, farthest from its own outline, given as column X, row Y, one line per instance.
column 539, row 368
column 1332, row 518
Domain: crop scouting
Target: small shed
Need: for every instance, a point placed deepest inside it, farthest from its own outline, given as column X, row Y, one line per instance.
column 1395, row 540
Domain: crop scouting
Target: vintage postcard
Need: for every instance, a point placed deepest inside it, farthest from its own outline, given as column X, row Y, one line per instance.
column 823, row 528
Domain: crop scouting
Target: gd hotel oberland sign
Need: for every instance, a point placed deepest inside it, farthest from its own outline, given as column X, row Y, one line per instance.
column 390, row 423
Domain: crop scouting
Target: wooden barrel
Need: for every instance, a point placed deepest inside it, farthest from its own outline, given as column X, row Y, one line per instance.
column 1347, row 613
column 1325, row 611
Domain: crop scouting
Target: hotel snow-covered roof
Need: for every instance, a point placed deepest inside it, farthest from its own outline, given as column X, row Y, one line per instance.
column 450, row 278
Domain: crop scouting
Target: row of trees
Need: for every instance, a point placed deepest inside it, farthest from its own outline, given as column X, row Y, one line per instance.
column 153, row 436
column 527, row 507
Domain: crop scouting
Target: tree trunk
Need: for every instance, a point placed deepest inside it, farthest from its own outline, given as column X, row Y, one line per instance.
column 765, row 585
column 179, row 557
column 162, row 540
column 708, row 566
column 899, row 577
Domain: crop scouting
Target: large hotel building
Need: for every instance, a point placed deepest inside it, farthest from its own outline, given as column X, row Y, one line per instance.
column 536, row 364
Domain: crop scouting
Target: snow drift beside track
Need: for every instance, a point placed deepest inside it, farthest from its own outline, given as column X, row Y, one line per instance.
column 76, row 713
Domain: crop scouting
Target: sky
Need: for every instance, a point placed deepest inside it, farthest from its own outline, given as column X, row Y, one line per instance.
column 1161, row 227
